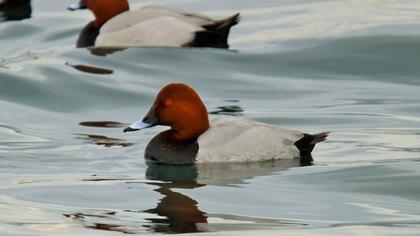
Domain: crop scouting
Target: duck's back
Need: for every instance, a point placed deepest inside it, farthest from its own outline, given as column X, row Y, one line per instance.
column 133, row 17
column 235, row 139
column 152, row 26
column 158, row 32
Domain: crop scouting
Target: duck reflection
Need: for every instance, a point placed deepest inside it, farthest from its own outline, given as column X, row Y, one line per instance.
column 181, row 213
column 15, row 10
column 104, row 51
column 177, row 212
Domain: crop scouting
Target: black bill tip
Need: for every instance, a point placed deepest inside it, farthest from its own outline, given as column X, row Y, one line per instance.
column 129, row 129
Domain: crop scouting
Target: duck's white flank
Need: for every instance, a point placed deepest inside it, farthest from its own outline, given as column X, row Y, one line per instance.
column 151, row 26
column 236, row 139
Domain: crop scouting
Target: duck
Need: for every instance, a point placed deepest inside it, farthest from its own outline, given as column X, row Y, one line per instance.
column 194, row 137
column 116, row 26
column 13, row 10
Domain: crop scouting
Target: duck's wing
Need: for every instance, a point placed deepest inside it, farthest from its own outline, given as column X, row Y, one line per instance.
column 165, row 27
column 133, row 17
column 233, row 139
column 158, row 32
column 214, row 33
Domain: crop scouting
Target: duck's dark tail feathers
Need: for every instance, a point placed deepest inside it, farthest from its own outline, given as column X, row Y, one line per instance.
column 226, row 24
column 320, row 137
column 307, row 143
column 215, row 34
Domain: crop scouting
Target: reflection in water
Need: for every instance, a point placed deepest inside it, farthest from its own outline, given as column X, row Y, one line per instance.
column 91, row 69
column 104, row 51
column 178, row 213
column 172, row 173
column 105, row 141
column 15, row 10
column 102, row 124
column 182, row 213
column 82, row 218
column 220, row 173
column 227, row 110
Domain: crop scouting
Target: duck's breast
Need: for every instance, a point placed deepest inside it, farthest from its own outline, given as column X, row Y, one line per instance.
column 235, row 139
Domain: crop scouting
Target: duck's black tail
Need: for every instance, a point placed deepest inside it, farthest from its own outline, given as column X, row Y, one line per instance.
column 216, row 34
column 225, row 24
column 307, row 143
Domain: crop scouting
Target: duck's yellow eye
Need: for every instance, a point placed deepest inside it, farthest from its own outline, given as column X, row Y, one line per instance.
column 167, row 102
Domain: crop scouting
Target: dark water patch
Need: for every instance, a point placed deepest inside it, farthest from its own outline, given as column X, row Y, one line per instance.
column 104, row 179
column 91, row 69
column 231, row 100
column 104, row 51
column 109, row 227
column 86, row 220
column 105, row 141
column 102, row 124
column 97, row 178
column 227, row 110
column 182, row 173
column 102, row 214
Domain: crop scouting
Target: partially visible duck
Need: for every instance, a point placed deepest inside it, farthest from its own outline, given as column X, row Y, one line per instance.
column 15, row 10
column 194, row 138
column 158, row 26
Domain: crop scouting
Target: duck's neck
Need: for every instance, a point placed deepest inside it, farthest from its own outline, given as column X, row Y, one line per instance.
column 190, row 131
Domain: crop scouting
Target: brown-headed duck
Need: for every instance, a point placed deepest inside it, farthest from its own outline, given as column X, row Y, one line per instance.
column 151, row 26
column 194, row 138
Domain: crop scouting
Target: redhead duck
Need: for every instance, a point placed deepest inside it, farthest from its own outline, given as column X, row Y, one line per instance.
column 157, row 26
column 194, row 138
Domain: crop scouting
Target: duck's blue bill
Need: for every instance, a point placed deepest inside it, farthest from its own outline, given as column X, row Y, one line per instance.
column 138, row 125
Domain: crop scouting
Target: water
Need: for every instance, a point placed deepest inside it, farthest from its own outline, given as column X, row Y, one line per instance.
column 351, row 67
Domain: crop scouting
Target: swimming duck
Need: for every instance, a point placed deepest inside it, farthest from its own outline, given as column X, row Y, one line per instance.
column 15, row 10
column 196, row 138
column 158, row 26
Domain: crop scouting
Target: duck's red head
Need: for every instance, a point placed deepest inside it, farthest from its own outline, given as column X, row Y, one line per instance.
column 102, row 9
column 177, row 106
